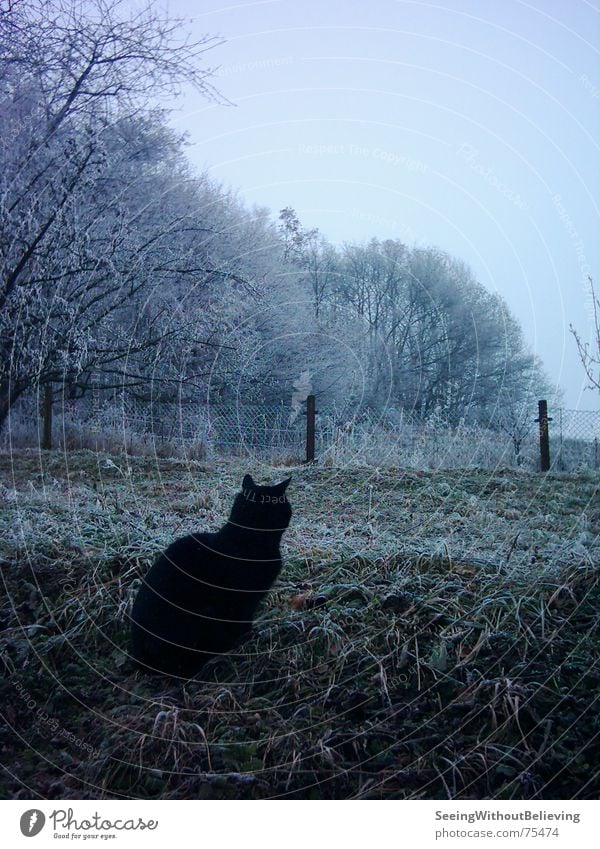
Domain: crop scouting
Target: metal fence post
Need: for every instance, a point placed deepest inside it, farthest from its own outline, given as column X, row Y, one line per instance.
column 310, row 428
column 544, row 438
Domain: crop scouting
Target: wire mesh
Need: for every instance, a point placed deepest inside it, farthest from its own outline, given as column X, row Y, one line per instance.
column 347, row 436
column 575, row 439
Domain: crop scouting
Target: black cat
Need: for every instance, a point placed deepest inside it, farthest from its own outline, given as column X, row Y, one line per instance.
column 200, row 596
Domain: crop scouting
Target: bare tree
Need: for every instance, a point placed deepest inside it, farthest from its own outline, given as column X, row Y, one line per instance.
column 436, row 339
column 590, row 359
column 84, row 224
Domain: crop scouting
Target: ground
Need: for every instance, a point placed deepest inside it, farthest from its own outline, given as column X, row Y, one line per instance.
column 433, row 635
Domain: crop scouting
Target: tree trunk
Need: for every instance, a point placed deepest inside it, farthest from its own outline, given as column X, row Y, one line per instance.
column 47, row 418
column 9, row 393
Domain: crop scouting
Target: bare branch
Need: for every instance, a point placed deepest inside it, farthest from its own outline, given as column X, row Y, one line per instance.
column 590, row 360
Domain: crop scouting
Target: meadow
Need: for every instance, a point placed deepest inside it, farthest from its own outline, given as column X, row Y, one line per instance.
column 433, row 635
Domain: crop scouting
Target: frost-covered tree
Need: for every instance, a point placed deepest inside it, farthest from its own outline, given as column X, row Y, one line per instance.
column 82, row 184
column 433, row 339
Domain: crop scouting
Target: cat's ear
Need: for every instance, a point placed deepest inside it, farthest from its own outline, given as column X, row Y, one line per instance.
column 284, row 484
column 248, row 483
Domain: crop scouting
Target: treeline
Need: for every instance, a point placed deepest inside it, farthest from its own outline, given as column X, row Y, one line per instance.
column 123, row 270
column 408, row 327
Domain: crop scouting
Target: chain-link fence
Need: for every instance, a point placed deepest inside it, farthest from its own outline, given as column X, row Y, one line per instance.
column 278, row 434
column 574, row 439
column 193, row 430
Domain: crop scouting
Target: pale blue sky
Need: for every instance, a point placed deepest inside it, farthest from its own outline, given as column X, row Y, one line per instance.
column 466, row 124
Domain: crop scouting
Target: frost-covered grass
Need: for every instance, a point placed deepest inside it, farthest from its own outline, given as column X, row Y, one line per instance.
column 432, row 635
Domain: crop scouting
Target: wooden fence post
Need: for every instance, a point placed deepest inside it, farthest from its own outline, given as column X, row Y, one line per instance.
column 544, row 438
column 47, row 417
column 310, row 428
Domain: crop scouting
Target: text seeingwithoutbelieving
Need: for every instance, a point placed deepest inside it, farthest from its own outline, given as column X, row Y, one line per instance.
column 474, row 816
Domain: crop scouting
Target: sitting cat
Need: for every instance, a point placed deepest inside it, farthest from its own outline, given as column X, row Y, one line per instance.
column 200, row 596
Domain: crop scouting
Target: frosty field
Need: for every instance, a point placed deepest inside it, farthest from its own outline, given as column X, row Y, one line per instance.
column 432, row 635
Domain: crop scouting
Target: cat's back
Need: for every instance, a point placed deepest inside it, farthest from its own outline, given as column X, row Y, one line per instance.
column 191, row 552
column 187, row 563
